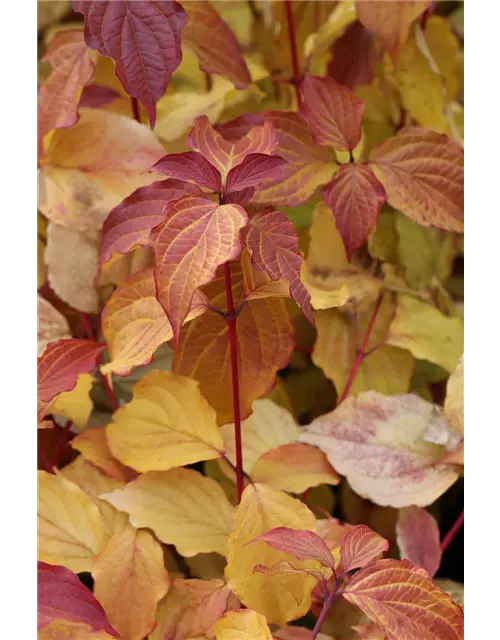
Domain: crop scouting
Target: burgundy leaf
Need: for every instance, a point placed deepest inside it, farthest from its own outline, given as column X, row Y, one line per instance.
column 360, row 546
column 354, row 57
column 97, row 95
column 190, row 166
column 144, row 39
column 302, row 544
column 254, row 168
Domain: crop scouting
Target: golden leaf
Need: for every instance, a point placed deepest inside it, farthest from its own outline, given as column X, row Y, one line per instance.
column 242, row 625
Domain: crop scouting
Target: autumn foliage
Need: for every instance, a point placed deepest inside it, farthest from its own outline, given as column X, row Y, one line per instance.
column 250, row 319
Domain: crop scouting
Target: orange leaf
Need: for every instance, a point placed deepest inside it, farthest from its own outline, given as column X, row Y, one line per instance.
column 360, row 546
column 419, row 539
column 129, row 580
column 135, row 325
column 332, row 111
column 390, row 21
column 299, row 543
column 355, row 196
column 72, row 69
column 422, row 173
column 274, row 247
column 93, row 445
column 404, row 602
column 196, row 237
column 265, row 336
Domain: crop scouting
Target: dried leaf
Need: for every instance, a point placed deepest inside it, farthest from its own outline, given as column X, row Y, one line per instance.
column 418, row 538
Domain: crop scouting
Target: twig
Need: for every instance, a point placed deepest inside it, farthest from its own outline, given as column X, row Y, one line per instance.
column 450, row 536
column 293, row 47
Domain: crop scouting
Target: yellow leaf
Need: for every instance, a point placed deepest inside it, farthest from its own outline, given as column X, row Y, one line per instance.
column 427, row 333
column 181, row 506
column 92, row 443
column 454, row 401
column 76, row 405
column 167, row 424
column 386, row 369
column 318, row 44
column 383, row 239
column 70, row 527
column 242, row 625
column 278, row 597
column 129, row 580
column 70, row 629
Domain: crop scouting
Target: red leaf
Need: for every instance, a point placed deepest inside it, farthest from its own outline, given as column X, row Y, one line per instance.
column 225, row 154
column 418, row 538
column 196, row 236
column 355, row 196
column 360, row 546
column 271, row 239
column 128, row 225
column 144, row 39
column 301, row 544
column 61, row 595
column 254, row 168
column 97, row 95
column 354, row 57
column 190, row 166
column 332, row 111
column 404, row 602
column 214, row 43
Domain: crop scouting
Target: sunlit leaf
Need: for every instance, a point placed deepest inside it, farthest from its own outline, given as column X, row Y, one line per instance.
column 242, row 625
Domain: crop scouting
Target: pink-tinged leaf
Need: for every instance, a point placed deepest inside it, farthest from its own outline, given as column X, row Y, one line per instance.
column 196, row 236
column 225, row 154
column 98, row 95
column 242, row 197
column 273, row 245
column 238, row 127
column 355, row 196
column 418, row 538
column 129, row 224
column 214, row 43
column 72, row 69
column 422, row 173
column 354, row 57
column 361, row 545
column 254, row 168
column 332, row 111
column 299, row 543
column 190, row 166
column 144, row 39
column 404, row 602
column 61, row 595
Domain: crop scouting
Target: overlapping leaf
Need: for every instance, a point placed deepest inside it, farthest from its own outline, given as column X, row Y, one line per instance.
column 51, row 325
column 359, row 546
column 301, row 544
column 252, row 170
column 190, row 166
column 143, row 38
column 418, row 538
column 377, row 442
column 92, row 443
column 242, row 625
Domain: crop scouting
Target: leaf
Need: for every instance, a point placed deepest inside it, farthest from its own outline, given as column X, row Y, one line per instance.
column 61, row 595
column 65, row 630
column 332, row 112
column 360, row 546
column 135, row 325
column 390, row 23
column 355, row 196
column 418, row 538
column 252, row 170
column 402, row 600
column 422, row 173
column 190, row 609
column 387, row 369
column 129, row 580
column 279, row 598
column 242, row 625
column 70, row 527
column 332, row 531
column 167, row 424
column 301, row 544
column 92, row 443
column 294, row 467
column 427, row 333
column 297, row 633
column 72, row 260
column 273, row 245
column 144, row 40
column 214, row 43
column 97, row 95
column 72, row 69
column 129, row 224
column 51, row 325
column 59, row 367
column 212, row 236
column 454, row 401
column 168, row 503
column 265, row 337
column 225, row 154
column 309, row 165
column 190, row 166
column 76, row 405
column 376, row 441
column 354, row 57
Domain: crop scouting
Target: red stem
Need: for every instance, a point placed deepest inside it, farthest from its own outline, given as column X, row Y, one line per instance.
column 90, row 334
column 61, row 443
column 305, row 495
column 233, row 348
column 326, row 605
column 361, row 353
column 293, row 47
column 450, row 536
column 135, row 109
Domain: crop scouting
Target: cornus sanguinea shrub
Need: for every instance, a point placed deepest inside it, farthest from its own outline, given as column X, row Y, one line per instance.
column 250, row 319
